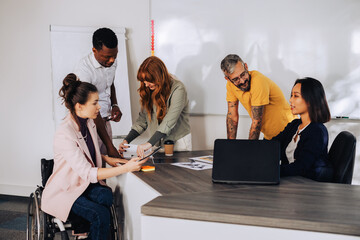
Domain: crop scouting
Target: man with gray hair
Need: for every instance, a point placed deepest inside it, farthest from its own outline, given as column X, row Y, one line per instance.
column 260, row 96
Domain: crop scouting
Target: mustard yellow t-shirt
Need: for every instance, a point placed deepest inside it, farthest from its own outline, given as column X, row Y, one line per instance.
column 263, row 91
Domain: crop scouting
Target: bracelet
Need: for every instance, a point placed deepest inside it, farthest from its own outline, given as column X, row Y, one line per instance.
column 114, row 105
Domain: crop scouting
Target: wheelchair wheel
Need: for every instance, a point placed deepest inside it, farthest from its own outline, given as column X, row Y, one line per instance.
column 36, row 219
column 114, row 234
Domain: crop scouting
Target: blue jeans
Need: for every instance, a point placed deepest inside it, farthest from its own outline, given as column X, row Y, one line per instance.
column 94, row 206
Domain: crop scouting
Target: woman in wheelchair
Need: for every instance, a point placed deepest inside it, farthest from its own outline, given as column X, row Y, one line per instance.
column 76, row 182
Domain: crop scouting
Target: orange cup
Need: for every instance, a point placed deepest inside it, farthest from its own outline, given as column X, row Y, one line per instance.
column 169, row 147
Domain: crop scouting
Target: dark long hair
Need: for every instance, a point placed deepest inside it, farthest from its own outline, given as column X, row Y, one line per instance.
column 74, row 91
column 313, row 93
column 153, row 70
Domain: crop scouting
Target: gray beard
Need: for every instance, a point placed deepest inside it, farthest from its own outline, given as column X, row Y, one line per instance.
column 248, row 87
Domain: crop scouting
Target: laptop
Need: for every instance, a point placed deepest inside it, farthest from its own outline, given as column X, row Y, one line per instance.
column 246, row 161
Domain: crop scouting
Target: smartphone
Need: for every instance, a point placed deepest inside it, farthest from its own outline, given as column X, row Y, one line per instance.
column 150, row 154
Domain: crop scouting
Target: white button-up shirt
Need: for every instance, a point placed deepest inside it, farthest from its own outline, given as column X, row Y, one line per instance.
column 90, row 70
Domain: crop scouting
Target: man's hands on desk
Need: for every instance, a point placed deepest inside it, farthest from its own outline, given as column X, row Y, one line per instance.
column 114, row 162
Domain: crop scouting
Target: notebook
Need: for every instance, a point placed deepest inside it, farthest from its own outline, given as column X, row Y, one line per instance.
column 246, row 161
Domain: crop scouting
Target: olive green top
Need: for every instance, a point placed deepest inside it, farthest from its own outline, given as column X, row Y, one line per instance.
column 175, row 124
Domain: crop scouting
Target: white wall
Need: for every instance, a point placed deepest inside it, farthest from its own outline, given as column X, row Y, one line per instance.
column 193, row 40
column 27, row 128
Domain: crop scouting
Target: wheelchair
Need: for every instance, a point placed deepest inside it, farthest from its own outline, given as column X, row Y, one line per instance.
column 42, row 226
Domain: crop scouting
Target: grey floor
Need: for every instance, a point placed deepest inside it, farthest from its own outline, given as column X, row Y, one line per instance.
column 13, row 217
column 13, row 214
column 13, row 211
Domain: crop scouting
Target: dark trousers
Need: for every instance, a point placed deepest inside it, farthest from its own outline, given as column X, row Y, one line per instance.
column 324, row 174
column 94, row 206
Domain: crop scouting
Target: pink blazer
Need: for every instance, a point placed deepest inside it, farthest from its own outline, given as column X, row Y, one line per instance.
column 73, row 168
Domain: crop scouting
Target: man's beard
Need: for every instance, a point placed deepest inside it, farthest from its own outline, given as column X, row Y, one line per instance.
column 247, row 82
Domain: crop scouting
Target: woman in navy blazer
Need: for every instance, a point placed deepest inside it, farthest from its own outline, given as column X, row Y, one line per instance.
column 304, row 141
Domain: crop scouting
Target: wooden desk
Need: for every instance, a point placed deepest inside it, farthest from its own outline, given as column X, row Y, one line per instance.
column 179, row 203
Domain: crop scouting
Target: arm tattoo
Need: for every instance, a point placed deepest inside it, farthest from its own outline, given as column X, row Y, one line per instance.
column 257, row 115
column 233, row 104
column 231, row 124
column 231, row 127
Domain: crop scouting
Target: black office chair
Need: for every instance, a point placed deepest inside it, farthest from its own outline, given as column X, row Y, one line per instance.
column 342, row 156
column 44, row 226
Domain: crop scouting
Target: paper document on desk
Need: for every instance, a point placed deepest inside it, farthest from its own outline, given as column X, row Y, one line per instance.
column 194, row 165
column 131, row 151
column 205, row 159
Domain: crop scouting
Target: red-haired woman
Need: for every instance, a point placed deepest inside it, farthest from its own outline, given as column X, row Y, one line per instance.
column 164, row 108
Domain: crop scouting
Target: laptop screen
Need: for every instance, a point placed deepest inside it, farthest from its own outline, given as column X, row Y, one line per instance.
column 246, row 161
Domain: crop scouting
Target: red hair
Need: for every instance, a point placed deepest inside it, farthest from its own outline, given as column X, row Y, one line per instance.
column 153, row 70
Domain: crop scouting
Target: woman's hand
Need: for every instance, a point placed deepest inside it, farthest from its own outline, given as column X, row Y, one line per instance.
column 134, row 164
column 123, row 147
column 142, row 148
column 113, row 161
column 129, row 166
